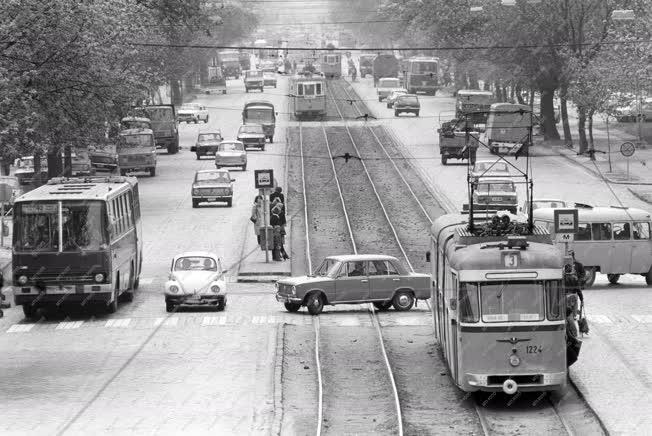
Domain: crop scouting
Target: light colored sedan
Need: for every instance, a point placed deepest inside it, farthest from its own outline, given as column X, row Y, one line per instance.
column 231, row 154
column 393, row 96
column 196, row 279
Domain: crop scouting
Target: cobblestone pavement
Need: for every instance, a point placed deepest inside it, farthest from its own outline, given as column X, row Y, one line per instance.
column 615, row 365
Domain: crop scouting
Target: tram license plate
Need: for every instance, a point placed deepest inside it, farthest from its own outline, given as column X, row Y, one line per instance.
column 211, row 199
column 533, row 349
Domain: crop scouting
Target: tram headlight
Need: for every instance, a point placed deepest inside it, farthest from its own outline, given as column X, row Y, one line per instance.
column 99, row 278
column 22, row 280
column 514, row 360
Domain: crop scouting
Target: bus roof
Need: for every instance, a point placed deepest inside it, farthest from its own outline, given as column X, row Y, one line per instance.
column 79, row 188
column 598, row 214
column 509, row 107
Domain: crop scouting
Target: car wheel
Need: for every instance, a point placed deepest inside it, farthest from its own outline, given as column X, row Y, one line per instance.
column 416, row 113
column 246, row 89
column 389, row 106
column 382, row 305
column 403, row 300
column 590, row 274
column 292, row 307
column 648, row 277
column 613, row 278
column 195, row 203
column 271, row 139
column 380, row 99
column 396, row 113
column 222, row 304
column 112, row 307
column 315, row 303
column 444, row 159
column 169, row 307
column 127, row 296
column 152, row 172
column 206, row 120
column 196, row 120
column 262, row 148
column 244, row 167
column 29, row 310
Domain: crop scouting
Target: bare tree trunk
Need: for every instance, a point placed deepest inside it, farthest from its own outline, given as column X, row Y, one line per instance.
column 504, row 93
column 563, row 96
column 548, row 114
column 67, row 161
column 519, row 94
column 591, row 143
column 473, row 80
column 460, row 77
column 175, row 87
column 511, row 92
column 55, row 168
column 497, row 91
column 581, row 126
column 531, row 97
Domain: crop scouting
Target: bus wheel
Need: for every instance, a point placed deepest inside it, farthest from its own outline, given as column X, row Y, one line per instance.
column 29, row 310
column 315, row 303
column 127, row 296
column 590, row 276
column 292, row 307
column 382, row 305
column 403, row 300
column 613, row 278
column 444, row 159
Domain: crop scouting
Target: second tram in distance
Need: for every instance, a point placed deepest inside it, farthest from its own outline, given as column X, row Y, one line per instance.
column 331, row 65
column 308, row 96
column 498, row 308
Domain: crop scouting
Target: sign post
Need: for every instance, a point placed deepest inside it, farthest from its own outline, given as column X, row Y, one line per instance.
column 566, row 226
column 627, row 149
column 264, row 181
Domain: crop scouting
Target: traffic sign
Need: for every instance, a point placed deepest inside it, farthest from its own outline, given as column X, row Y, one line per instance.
column 627, row 149
column 264, row 179
column 566, row 221
column 565, row 237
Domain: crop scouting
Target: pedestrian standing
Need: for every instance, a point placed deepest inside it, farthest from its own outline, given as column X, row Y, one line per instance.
column 278, row 193
column 258, row 217
column 277, row 222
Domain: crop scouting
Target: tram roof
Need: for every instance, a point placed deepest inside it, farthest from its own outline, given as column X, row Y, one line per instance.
column 79, row 188
column 597, row 214
column 490, row 257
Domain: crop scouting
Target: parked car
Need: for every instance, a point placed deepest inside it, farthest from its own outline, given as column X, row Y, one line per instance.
column 252, row 136
column 386, row 86
column 393, row 96
column 211, row 186
column 495, row 194
column 192, row 112
column 81, row 163
column 269, row 79
column 103, row 157
column 268, row 66
column 207, row 143
column 353, row 279
column 196, row 279
column 407, row 103
column 231, row 154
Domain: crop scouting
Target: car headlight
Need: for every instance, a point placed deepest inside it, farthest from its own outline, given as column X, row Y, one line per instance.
column 174, row 289
column 22, row 280
column 195, row 191
column 215, row 289
column 99, row 278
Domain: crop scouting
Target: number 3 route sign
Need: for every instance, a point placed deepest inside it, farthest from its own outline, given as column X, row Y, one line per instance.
column 264, row 179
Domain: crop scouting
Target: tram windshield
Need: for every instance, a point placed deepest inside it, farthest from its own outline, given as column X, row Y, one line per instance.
column 514, row 301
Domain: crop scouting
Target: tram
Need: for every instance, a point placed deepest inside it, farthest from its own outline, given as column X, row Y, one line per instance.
column 331, row 65
column 498, row 306
column 308, row 96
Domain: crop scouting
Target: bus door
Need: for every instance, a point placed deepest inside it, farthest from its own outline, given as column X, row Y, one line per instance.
column 641, row 247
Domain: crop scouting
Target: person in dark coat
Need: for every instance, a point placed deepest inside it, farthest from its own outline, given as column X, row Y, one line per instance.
column 278, row 193
column 574, row 278
column 276, row 220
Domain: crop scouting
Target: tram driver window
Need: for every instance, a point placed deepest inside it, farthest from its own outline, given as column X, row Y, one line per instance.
column 467, row 304
column 641, row 230
column 601, row 231
column 583, row 232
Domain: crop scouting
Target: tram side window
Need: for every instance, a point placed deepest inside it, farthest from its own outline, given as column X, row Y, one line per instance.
column 641, row 230
column 318, row 89
column 554, row 300
column 601, row 231
column 469, row 310
column 583, row 232
column 621, row 231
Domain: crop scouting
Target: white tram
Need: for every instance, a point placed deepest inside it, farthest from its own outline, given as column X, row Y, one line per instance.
column 498, row 308
column 308, row 96
column 331, row 65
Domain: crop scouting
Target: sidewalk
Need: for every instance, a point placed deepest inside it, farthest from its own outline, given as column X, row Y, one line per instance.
column 253, row 267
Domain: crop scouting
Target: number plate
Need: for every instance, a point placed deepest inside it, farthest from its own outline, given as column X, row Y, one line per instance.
column 533, row 349
column 211, row 199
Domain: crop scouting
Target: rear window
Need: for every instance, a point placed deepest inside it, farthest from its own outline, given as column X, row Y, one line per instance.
column 231, row 146
column 408, row 100
column 389, row 83
column 210, row 137
column 251, row 129
column 496, row 187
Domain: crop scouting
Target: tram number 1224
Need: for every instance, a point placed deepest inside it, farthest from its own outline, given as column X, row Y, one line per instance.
column 533, row 349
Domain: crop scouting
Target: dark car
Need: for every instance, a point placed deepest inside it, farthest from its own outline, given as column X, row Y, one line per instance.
column 210, row 186
column 407, row 103
column 252, row 136
column 207, row 143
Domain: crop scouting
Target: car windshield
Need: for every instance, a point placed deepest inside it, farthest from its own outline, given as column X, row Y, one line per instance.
column 231, row 146
column 82, row 223
column 389, row 83
column 495, row 166
column 209, row 137
column 251, row 129
column 328, row 267
column 213, row 176
column 195, row 263
column 512, row 301
column 135, row 141
column 496, row 187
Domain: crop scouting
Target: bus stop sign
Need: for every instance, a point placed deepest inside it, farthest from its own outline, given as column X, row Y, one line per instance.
column 264, row 179
column 566, row 224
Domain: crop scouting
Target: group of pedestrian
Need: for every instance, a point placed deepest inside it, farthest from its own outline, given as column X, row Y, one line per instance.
column 576, row 323
column 276, row 220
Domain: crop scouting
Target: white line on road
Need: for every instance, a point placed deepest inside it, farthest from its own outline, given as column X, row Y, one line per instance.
column 20, row 328
column 645, row 319
column 69, row 325
column 167, row 322
column 118, row 323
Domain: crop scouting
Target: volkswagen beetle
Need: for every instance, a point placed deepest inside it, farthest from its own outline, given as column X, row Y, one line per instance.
column 196, row 278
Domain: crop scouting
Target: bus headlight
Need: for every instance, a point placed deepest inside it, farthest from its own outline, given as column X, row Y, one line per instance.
column 99, row 278
column 174, row 289
column 22, row 280
column 215, row 289
column 514, row 360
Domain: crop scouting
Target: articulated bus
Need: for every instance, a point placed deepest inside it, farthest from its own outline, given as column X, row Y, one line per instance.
column 498, row 308
column 77, row 241
column 422, row 75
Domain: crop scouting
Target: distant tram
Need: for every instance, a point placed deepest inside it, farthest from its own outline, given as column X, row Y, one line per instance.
column 422, row 75
column 498, row 308
column 331, row 65
column 308, row 96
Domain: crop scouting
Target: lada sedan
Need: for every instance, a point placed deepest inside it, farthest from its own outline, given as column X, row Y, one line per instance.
column 231, row 154
column 212, row 186
column 495, row 194
column 407, row 103
column 207, row 143
column 192, row 112
column 252, row 136
column 196, row 278
column 354, row 279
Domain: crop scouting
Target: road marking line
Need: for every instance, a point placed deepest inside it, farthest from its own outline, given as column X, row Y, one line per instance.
column 646, row 319
column 20, row 328
column 600, row 319
column 213, row 320
column 146, row 281
column 167, row 322
column 69, row 325
column 118, row 323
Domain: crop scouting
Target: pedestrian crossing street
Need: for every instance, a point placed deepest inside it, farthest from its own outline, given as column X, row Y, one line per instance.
column 189, row 320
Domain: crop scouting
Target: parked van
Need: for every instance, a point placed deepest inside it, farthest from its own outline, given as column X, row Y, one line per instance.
column 611, row 240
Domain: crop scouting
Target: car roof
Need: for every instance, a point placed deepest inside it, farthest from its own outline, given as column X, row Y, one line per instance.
column 212, row 132
column 361, row 257
column 196, row 254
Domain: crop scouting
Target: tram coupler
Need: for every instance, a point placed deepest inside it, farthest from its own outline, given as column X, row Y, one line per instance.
column 510, row 386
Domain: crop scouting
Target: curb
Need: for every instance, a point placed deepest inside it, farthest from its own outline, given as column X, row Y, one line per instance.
column 277, row 386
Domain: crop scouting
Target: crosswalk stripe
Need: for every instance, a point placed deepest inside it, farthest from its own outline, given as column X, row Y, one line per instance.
column 118, row 323
column 147, row 281
column 167, row 322
column 645, row 319
column 349, row 321
column 20, row 328
column 600, row 319
column 69, row 325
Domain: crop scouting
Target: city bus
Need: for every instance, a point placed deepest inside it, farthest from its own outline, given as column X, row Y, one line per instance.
column 77, row 241
column 137, row 151
column 509, row 127
column 611, row 240
column 498, row 307
column 422, row 75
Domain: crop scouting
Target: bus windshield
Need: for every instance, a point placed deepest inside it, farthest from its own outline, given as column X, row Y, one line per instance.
column 135, row 141
column 512, row 301
column 260, row 115
column 38, row 225
column 424, row 67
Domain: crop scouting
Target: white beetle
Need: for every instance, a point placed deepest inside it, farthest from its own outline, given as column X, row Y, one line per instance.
column 196, row 278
